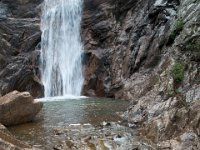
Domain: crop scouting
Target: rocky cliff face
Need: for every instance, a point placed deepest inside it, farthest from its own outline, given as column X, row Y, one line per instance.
column 144, row 51
column 124, row 38
column 148, row 52
column 19, row 38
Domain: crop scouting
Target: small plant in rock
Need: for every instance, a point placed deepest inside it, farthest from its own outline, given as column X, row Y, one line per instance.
column 194, row 46
column 170, row 93
column 179, row 24
column 178, row 72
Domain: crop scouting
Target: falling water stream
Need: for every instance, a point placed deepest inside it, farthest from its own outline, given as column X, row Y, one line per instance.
column 61, row 48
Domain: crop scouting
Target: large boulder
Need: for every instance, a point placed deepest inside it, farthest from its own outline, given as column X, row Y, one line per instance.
column 17, row 108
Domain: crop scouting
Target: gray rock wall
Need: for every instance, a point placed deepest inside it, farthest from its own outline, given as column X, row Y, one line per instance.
column 133, row 49
column 124, row 37
column 19, row 40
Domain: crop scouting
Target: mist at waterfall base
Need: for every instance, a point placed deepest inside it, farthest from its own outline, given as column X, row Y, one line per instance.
column 61, row 68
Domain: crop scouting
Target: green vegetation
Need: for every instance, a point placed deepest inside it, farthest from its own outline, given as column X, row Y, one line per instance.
column 194, row 48
column 179, row 24
column 170, row 93
column 194, row 45
column 178, row 72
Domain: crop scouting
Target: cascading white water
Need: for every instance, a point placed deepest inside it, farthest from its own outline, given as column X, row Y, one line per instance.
column 61, row 46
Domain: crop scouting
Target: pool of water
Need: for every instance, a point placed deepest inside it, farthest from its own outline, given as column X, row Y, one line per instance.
column 58, row 113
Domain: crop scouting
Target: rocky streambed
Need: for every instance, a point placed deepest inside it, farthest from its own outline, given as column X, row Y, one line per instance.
column 75, row 123
column 78, row 123
column 106, row 136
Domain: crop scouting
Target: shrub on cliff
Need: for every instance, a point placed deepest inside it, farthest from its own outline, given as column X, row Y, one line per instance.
column 195, row 46
column 179, row 24
column 192, row 49
column 178, row 72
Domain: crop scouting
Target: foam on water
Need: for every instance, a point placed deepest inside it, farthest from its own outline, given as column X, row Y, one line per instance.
column 59, row 98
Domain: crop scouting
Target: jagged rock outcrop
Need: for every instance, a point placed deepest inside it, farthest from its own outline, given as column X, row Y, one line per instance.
column 123, row 38
column 17, row 108
column 148, row 52
column 20, row 36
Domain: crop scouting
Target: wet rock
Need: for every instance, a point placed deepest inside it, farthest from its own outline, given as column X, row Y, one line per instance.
column 7, row 141
column 69, row 144
column 57, row 132
column 58, row 147
column 17, row 108
column 106, row 123
column 114, row 136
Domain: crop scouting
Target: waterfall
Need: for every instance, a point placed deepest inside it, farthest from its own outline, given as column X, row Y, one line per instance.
column 61, row 69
